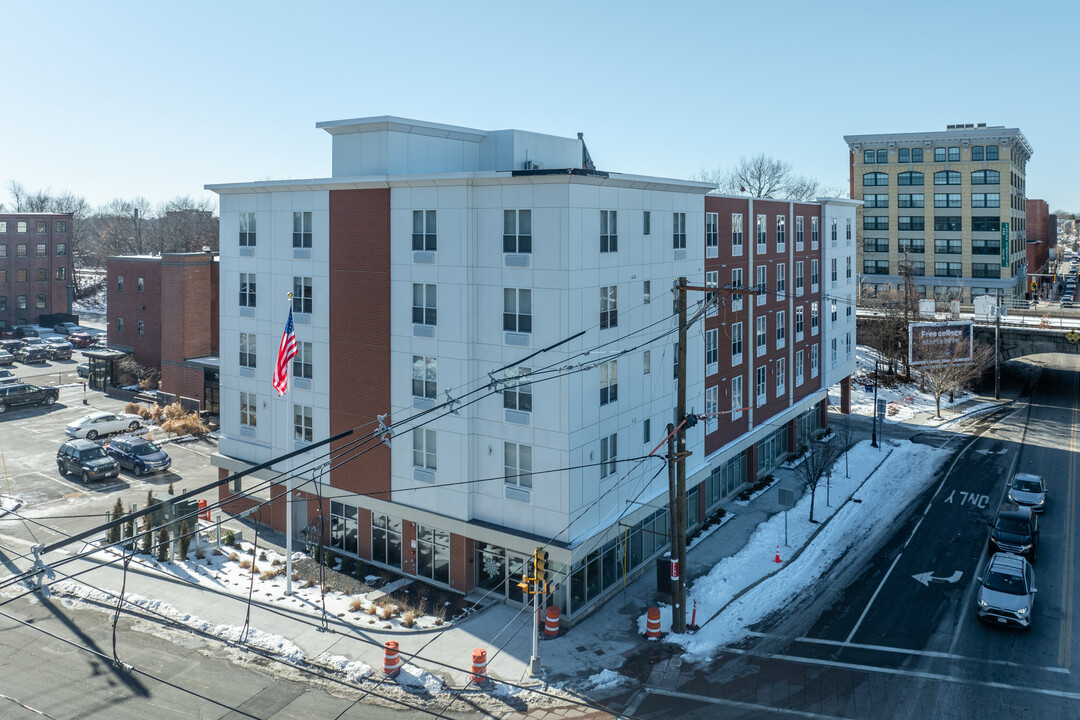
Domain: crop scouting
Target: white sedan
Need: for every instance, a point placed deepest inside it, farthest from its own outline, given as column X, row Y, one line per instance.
column 102, row 423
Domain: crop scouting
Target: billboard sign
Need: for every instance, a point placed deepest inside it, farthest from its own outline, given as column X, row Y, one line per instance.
column 949, row 342
column 1004, row 244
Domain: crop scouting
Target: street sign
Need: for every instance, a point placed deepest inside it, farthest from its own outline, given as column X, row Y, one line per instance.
column 1004, row 244
column 674, row 569
column 786, row 498
column 881, row 408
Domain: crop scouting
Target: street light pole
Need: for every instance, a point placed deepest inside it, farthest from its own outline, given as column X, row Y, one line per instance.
column 873, row 410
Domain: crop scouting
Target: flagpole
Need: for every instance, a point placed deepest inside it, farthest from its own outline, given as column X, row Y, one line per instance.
column 288, row 475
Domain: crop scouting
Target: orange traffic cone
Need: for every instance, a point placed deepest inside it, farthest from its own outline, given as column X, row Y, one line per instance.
column 778, row 560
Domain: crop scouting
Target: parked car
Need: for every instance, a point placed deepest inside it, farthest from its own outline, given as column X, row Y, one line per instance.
column 138, row 455
column 59, row 349
column 32, row 342
column 10, row 344
column 1027, row 490
column 23, row 331
column 1006, row 591
column 1015, row 530
column 32, row 354
column 66, row 328
column 86, row 459
column 6, row 358
column 83, row 369
column 7, row 332
column 98, row 424
column 7, row 377
column 81, row 339
column 25, row 394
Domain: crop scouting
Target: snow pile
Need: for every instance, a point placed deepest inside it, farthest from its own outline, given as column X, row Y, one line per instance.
column 606, row 680
column 889, row 477
column 353, row 670
column 411, row 675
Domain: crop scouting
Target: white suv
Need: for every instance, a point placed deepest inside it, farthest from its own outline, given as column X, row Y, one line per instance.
column 1006, row 591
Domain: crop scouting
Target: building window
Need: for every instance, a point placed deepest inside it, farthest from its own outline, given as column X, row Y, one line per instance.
column 302, row 364
column 343, row 527
column 20, row 275
column 646, row 223
column 847, row 230
column 907, row 223
column 799, row 325
column 833, row 237
column 517, row 391
column 761, row 386
column 42, row 274
column 848, row 344
column 302, row 295
column 248, row 407
column 813, row 361
column 939, row 154
column 985, row 177
column 3, row 275
column 798, row 368
column 712, row 234
column 61, row 226
column 424, row 370
column 303, row 426
column 947, row 177
column 119, row 283
column 832, row 308
column 424, row 230
column 833, row 276
column 39, row 303
column 20, row 304
column 737, row 283
column 678, row 230
column 991, row 152
column 736, row 397
column 712, row 407
column 985, row 270
column 3, row 250
column 140, row 285
column 985, row 200
column 646, row 362
column 736, row 343
column 832, row 352
column 977, row 153
column 517, row 310
column 762, row 342
column 141, row 326
column 762, row 278
column 904, row 155
column 985, row 224
column 609, row 453
column 781, row 232
column 517, row 231
column 875, row 201
column 916, row 155
column 301, row 229
column 799, row 268
column 781, row 328
column 3, row 226
column 868, row 157
column 875, row 267
column 814, row 319
column 781, row 280
column 42, row 226
column 711, row 350
column 247, row 290
column 424, row 310
column 609, row 382
column 20, row 226
column 814, row 233
column 646, row 292
column 3, row 302
column 736, row 234
column 517, row 465
column 909, row 178
column 813, row 276
column 910, row 200
column 386, row 539
column 847, row 271
column 646, row 431
column 61, row 273
column 41, row 250
column 947, row 269
column 20, row 250
column 761, row 233
column 875, row 179
column 948, row 223
column 799, row 232
column 247, row 229
column 425, row 449
column 609, row 311
column 609, row 231
column 119, row 320
column 712, row 280
column 247, row 350
column 61, row 249
column 781, row 377
column 954, row 154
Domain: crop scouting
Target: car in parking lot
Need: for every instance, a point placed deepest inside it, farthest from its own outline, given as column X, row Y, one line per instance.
column 18, row 394
column 59, row 348
column 6, row 358
column 32, row 354
column 83, row 369
column 139, row 455
column 1028, row 490
column 99, row 424
column 81, row 339
column 1015, row 530
column 86, row 459
column 7, row 377
column 66, row 328
column 1006, row 591
column 10, row 344
column 24, row 331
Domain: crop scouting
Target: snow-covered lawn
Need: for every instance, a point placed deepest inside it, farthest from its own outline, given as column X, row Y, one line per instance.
column 887, row 478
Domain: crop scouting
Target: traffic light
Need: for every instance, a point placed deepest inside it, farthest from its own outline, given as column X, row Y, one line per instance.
column 540, row 568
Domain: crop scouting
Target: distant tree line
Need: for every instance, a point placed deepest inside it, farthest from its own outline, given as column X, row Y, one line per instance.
column 123, row 226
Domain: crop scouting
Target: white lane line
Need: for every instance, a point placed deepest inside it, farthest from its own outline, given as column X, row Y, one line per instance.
column 739, row 704
column 873, row 598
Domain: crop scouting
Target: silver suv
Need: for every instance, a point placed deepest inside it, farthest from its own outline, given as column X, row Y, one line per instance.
column 1006, row 591
column 1028, row 490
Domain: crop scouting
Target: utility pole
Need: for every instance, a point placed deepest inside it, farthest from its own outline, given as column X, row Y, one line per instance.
column 873, row 433
column 678, row 619
column 997, row 333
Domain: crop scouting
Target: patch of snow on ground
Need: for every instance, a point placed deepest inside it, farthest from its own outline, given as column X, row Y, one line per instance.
column 414, row 676
column 606, row 679
column 353, row 670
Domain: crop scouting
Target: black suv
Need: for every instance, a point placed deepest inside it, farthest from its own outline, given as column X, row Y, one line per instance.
column 25, row 394
column 86, row 459
column 32, row 354
column 1015, row 530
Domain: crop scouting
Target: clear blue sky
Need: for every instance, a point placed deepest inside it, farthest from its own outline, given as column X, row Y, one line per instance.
column 117, row 99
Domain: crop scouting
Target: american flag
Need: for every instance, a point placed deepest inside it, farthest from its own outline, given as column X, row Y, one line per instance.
column 285, row 353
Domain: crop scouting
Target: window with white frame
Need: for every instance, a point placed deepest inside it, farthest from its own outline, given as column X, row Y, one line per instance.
column 798, row 368
column 247, row 229
column 834, row 273
column 609, row 231
column 761, row 233
column 814, row 233
column 813, row 361
column 712, row 406
column 712, row 234
column 248, row 406
column 301, row 229
column 847, row 230
column 736, row 397
column 762, row 278
column 675, row 361
column 303, row 423
column 646, row 431
column 646, row 223
column 832, row 353
column 781, row 280
column 712, row 280
column 814, row 321
column 517, row 391
column 832, row 309
column 247, row 350
column 646, row 362
column 762, row 341
column 736, row 343
column 517, row 464
column 736, row 234
column 517, row 310
column 425, row 449
column 712, row 337
column 678, row 230
column 761, row 386
column 799, row 268
column 847, row 272
column 609, row 382
column 424, row 306
column 781, row 376
column 424, row 373
column 799, row 323
column 646, row 292
column 609, row 312
column 517, row 231
column 781, row 328
column 609, row 454
column 302, row 295
column 424, row 232
column 247, row 290
column 781, row 232
column 814, row 276
column 849, row 344
column 834, row 237
column 737, row 283
column 799, row 232
column 302, row 363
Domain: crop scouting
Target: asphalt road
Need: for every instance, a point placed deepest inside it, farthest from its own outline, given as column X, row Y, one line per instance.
column 882, row 639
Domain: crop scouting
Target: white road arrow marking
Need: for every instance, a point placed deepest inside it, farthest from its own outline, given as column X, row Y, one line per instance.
column 928, row 577
column 992, row 452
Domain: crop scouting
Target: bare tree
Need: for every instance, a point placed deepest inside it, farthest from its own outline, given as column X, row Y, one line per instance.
column 764, row 176
column 17, row 192
column 947, row 368
column 186, row 225
column 123, row 227
column 819, row 458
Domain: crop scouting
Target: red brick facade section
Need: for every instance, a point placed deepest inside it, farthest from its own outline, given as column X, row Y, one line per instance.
column 360, row 330
column 1040, row 236
column 461, row 563
column 189, row 288
column 135, row 306
column 55, row 289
